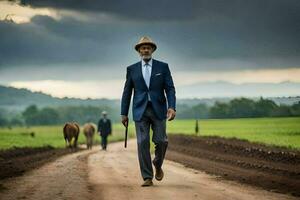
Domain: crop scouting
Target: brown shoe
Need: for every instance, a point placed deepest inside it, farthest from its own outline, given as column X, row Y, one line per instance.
column 159, row 174
column 147, row 182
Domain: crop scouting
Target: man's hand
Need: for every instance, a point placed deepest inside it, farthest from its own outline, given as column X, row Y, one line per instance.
column 171, row 114
column 125, row 120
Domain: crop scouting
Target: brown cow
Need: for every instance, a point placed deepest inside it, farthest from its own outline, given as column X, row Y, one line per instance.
column 71, row 133
column 89, row 131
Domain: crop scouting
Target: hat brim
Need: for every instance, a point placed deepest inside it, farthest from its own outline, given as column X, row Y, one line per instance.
column 152, row 44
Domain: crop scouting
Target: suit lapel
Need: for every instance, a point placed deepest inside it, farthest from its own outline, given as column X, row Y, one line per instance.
column 153, row 71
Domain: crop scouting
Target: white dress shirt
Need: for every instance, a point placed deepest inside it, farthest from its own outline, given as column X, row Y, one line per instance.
column 144, row 71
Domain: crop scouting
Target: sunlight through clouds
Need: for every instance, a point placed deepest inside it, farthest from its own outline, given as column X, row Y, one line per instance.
column 239, row 76
column 82, row 89
column 203, row 80
column 23, row 14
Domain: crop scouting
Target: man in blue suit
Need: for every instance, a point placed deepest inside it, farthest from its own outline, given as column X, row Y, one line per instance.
column 150, row 80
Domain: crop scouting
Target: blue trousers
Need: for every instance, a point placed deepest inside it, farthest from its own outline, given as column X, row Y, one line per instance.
column 159, row 138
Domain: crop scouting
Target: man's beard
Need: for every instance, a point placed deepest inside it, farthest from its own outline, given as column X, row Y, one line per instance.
column 146, row 57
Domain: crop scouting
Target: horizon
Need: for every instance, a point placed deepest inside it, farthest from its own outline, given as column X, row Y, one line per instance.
column 184, row 98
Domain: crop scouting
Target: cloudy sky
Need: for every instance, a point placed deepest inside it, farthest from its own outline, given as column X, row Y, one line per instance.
column 215, row 48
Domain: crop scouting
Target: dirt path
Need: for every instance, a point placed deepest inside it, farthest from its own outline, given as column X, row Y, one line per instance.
column 115, row 175
column 64, row 178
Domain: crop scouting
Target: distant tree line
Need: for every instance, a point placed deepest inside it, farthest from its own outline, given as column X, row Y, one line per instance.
column 240, row 108
column 33, row 115
column 5, row 121
column 58, row 115
column 236, row 108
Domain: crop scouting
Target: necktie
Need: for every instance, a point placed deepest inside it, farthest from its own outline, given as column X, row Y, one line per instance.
column 147, row 77
column 147, row 74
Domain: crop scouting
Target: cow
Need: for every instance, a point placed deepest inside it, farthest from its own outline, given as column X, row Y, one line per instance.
column 71, row 132
column 89, row 131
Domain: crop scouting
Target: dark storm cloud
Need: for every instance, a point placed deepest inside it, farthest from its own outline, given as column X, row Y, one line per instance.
column 135, row 9
column 46, row 41
column 261, row 33
column 262, row 12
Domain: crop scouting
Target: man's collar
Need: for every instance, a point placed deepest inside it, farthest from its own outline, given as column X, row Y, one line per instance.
column 150, row 62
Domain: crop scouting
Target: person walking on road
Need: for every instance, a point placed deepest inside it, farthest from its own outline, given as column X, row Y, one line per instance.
column 104, row 129
column 151, row 80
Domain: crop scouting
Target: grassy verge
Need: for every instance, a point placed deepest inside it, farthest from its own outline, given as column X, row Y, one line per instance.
column 49, row 135
column 283, row 132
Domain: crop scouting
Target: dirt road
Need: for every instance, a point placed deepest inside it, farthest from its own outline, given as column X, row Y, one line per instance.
column 114, row 174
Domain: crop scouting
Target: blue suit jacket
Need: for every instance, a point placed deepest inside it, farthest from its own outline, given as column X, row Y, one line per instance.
column 161, row 83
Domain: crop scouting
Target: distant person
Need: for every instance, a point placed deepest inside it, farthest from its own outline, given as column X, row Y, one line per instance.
column 151, row 80
column 104, row 129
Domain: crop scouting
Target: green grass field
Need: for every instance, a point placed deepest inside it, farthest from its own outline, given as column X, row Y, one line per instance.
column 272, row 131
column 49, row 135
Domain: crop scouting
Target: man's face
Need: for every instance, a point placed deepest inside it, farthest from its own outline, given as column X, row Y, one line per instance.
column 146, row 51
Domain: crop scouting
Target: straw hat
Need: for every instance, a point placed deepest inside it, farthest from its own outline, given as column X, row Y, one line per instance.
column 104, row 113
column 145, row 40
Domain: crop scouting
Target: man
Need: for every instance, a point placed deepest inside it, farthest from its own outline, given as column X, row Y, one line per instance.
column 104, row 129
column 151, row 80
